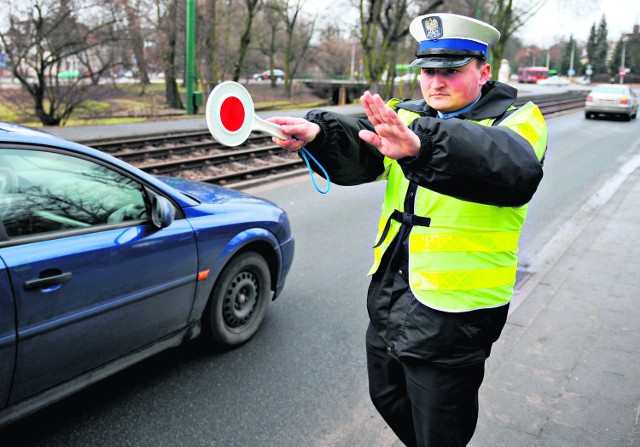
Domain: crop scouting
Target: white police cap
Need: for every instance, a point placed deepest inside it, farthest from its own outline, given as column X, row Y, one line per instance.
column 450, row 40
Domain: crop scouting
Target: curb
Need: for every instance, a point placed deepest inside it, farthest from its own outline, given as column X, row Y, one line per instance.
column 569, row 232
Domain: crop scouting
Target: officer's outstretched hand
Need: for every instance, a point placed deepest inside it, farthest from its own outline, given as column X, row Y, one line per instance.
column 300, row 130
column 392, row 137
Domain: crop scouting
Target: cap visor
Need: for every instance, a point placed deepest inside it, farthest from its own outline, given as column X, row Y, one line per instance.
column 440, row 62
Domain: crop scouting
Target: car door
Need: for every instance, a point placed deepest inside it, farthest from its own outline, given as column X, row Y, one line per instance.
column 7, row 332
column 93, row 279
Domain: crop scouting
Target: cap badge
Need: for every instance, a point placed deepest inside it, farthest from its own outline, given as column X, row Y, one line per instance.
column 432, row 27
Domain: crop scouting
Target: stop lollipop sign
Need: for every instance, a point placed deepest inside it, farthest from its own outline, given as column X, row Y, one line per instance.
column 231, row 117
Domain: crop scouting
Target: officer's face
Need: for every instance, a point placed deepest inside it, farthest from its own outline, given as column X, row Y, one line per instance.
column 451, row 89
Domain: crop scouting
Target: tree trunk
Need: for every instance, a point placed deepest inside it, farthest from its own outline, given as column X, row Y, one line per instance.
column 211, row 45
column 137, row 42
column 245, row 40
column 171, row 86
column 47, row 119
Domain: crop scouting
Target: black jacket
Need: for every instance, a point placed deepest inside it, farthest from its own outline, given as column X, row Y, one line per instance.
column 489, row 165
column 499, row 168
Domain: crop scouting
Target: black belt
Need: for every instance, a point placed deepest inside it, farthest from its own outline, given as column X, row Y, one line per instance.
column 404, row 219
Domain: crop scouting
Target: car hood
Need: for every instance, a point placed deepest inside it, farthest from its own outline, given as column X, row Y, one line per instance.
column 208, row 193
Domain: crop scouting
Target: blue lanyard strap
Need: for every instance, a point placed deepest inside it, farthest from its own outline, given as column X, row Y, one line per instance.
column 305, row 153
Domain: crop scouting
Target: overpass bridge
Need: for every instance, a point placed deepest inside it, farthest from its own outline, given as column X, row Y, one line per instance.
column 339, row 91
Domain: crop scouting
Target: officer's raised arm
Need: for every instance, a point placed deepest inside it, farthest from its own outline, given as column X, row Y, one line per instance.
column 391, row 137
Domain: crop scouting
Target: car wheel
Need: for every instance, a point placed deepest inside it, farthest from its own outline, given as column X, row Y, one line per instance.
column 238, row 303
column 587, row 115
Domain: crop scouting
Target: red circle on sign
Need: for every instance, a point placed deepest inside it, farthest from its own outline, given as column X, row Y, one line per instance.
column 232, row 113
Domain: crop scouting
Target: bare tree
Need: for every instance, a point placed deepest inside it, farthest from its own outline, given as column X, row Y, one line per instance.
column 133, row 10
column 383, row 25
column 268, row 38
column 44, row 37
column 218, row 46
column 210, row 32
column 508, row 19
column 335, row 53
column 297, row 41
column 170, row 27
column 245, row 39
column 101, row 59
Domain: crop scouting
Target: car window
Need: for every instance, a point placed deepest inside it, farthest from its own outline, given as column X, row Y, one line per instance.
column 611, row 89
column 45, row 192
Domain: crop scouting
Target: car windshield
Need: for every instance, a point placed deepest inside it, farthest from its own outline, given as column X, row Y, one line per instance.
column 610, row 89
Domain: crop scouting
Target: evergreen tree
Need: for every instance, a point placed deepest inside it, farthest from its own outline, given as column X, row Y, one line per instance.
column 598, row 47
column 631, row 55
column 602, row 47
column 590, row 48
column 616, row 60
column 570, row 50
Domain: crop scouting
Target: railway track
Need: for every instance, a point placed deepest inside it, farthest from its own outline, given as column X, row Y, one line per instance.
column 197, row 156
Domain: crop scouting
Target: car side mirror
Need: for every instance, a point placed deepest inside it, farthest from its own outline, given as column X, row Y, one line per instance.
column 162, row 212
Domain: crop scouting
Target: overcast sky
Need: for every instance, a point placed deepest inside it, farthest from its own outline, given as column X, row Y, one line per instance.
column 557, row 19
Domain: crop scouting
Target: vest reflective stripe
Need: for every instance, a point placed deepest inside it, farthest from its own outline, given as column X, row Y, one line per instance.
column 466, row 258
column 507, row 241
column 463, row 279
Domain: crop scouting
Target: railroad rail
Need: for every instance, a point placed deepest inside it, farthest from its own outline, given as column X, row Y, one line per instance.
column 197, row 156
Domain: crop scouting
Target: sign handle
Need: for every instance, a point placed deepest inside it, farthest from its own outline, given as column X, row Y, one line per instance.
column 268, row 128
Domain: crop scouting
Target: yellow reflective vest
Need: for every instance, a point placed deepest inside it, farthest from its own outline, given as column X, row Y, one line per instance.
column 463, row 256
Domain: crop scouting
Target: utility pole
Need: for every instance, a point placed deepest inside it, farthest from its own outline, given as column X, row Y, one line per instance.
column 479, row 9
column 573, row 50
column 624, row 50
column 548, row 57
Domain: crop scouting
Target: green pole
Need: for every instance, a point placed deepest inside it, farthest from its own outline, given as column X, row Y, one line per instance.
column 190, row 69
column 479, row 9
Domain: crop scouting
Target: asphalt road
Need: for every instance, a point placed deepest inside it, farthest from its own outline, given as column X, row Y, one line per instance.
column 302, row 380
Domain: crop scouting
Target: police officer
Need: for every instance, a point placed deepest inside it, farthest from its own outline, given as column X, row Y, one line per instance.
column 461, row 164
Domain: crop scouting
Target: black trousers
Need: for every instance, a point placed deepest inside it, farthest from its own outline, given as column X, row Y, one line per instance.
column 426, row 405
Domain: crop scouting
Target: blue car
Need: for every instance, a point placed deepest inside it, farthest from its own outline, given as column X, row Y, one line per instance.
column 103, row 265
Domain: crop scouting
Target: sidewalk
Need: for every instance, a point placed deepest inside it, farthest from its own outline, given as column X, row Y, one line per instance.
column 566, row 370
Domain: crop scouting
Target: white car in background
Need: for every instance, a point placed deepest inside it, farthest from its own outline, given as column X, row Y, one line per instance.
column 554, row 81
column 407, row 77
column 266, row 75
column 612, row 99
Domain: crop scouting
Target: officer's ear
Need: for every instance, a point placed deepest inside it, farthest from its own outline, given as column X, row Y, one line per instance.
column 485, row 71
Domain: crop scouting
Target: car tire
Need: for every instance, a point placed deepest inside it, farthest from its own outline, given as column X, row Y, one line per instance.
column 587, row 115
column 238, row 302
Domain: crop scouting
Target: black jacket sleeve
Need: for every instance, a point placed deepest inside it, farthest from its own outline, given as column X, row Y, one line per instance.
column 347, row 159
column 489, row 165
